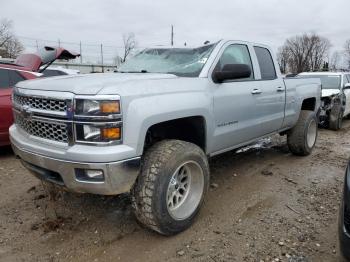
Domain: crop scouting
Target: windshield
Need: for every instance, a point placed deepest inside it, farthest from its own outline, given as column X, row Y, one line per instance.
column 186, row 62
column 327, row 81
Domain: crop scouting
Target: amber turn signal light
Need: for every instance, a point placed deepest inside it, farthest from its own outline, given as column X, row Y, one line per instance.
column 112, row 133
column 110, row 107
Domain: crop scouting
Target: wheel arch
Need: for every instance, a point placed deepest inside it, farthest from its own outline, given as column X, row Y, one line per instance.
column 191, row 129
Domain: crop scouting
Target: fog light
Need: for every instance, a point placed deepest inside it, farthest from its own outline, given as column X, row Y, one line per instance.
column 89, row 175
column 94, row 173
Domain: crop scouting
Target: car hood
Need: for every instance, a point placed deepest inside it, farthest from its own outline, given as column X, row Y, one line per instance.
column 45, row 56
column 329, row 92
column 92, row 84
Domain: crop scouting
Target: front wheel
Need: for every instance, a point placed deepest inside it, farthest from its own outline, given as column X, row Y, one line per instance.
column 171, row 187
column 302, row 137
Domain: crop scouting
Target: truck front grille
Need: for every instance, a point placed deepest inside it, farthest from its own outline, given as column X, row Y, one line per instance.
column 46, row 130
column 41, row 103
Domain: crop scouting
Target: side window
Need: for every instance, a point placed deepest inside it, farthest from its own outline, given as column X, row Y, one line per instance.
column 4, row 79
column 236, row 54
column 15, row 77
column 267, row 67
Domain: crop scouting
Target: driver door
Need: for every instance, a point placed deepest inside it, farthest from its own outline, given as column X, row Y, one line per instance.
column 234, row 102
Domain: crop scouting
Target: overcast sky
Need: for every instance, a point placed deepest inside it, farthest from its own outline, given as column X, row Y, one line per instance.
column 266, row 21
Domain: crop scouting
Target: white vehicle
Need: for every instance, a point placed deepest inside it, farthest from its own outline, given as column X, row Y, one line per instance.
column 335, row 101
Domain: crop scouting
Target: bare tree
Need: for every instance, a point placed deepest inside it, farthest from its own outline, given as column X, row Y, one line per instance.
column 129, row 45
column 347, row 52
column 13, row 48
column 335, row 60
column 305, row 52
column 5, row 31
column 283, row 58
column 10, row 46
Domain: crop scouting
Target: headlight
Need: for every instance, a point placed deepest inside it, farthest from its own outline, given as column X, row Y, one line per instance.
column 98, row 119
column 107, row 108
column 98, row 133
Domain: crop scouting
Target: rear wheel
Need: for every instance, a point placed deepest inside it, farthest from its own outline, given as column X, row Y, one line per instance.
column 302, row 137
column 336, row 118
column 171, row 187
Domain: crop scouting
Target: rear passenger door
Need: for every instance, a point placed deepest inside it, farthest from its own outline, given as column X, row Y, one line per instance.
column 271, row 101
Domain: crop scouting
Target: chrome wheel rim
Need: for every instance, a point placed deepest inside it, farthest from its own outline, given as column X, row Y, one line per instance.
column 311, row 133
column 185, row 190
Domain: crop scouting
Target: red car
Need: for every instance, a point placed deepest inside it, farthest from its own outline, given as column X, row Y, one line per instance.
column 26, row 67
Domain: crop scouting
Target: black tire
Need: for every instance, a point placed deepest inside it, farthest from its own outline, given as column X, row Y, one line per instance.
column 149, row 195
column 336, row 118
column 297, row 137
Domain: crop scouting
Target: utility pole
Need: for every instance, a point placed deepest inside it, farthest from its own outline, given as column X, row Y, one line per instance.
column 59, row 43
column 37, row 45
column 172, row 35
column 81, row 56
column 103, row 70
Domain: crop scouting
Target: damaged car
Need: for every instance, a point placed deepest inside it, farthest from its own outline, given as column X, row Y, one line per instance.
column 335, row 101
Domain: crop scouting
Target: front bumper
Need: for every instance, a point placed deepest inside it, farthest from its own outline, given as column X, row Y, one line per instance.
column 119, row 176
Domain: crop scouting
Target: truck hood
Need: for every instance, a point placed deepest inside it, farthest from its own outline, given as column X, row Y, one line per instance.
column 329, row 92
column 92, row 84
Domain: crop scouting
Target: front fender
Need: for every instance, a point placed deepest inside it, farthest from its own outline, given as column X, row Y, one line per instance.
column 144, row 112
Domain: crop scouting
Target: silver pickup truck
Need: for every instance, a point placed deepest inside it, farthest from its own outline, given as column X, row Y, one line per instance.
column 150, row 128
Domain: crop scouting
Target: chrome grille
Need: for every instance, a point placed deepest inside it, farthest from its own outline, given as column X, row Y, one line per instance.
column 41, row 103
column 47, row 130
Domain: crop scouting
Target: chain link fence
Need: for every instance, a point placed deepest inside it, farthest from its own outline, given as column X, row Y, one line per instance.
column 90, row 53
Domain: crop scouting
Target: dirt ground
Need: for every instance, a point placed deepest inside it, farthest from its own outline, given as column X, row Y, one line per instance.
column 264, row 204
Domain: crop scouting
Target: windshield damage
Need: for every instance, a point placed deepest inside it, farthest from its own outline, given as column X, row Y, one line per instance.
column 187, row 62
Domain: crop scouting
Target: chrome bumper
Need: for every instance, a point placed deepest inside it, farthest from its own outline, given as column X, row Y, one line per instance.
column 119, row 177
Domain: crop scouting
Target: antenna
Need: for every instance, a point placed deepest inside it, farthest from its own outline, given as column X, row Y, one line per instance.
column 172, row 35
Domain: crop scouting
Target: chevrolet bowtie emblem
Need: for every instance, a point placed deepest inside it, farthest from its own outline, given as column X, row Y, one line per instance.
column 26, row 112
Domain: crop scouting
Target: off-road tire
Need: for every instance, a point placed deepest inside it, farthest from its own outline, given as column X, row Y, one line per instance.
column 336, row 118
column 150, row 191
column 297, row 136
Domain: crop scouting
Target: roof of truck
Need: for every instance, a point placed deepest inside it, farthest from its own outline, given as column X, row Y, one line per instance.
column 204, row 44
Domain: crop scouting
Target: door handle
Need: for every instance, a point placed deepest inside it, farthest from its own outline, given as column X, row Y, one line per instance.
column 280, row 89
column 256, row 91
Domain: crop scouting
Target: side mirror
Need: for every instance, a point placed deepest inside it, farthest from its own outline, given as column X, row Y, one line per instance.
column 347, row 86
column 231, row 72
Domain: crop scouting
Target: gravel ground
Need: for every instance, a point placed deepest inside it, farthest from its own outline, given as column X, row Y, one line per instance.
column 264, row 204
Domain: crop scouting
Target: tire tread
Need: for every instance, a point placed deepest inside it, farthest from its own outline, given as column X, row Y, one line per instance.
column 296, row 136
column 144, row 189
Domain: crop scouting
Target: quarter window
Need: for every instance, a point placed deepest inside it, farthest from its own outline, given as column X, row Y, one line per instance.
column 236, row 54
column 267, row 67
column 4, row 79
